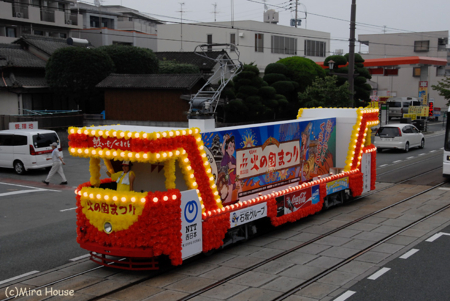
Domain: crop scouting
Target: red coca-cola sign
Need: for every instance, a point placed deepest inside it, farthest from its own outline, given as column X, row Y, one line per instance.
column 297, row 200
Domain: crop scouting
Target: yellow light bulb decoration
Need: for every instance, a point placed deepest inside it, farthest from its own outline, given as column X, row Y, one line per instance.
column 169, row 173
column 94, row 170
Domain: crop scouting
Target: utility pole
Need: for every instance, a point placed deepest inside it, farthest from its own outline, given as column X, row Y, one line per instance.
column 351, row 53
column 215, row 11
column 181, row 23
column 296, row 9
column 232, row 13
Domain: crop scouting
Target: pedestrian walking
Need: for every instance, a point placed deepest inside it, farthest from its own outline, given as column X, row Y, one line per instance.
column 58, row 162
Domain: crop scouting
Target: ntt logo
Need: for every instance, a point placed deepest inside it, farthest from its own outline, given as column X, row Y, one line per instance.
column 190, row 211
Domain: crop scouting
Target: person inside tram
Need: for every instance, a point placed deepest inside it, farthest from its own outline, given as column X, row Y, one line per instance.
column 125, row 178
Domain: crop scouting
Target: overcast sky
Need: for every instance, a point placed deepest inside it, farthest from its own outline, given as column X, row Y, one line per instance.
column 331, row 16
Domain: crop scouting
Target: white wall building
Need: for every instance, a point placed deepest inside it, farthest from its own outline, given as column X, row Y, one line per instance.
column 115, row 24
column 259, row 42
column 406, row 83
column 43, row 18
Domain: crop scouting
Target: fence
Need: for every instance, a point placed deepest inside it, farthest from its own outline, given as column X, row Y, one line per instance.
column 44, row 122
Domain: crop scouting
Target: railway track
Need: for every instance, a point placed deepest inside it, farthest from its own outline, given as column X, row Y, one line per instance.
column 301, row 285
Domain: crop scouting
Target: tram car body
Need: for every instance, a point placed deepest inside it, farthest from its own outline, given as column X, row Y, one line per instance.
column 197, row 191
column 446, row 162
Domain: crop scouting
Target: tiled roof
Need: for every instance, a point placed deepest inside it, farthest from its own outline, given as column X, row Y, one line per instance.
column 45, row 44
column 151, row 81
column 22, row 79
column 191, row 58
column 12, row 55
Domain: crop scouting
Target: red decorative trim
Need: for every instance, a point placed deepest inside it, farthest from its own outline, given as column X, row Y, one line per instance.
column 214, row 230
column 356, row 184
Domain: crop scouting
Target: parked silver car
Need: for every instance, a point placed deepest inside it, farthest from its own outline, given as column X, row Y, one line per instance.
column 398, row 136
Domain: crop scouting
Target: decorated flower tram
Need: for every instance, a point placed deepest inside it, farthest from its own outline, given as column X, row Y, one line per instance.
column 196, row 191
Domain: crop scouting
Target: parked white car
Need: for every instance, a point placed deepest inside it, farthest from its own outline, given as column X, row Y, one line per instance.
column 27, row 149
column 398, row 136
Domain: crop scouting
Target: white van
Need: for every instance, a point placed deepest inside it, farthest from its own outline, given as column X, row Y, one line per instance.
column 399, row 106
column 27, row 149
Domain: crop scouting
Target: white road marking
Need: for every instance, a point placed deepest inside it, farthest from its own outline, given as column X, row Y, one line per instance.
column 21, row 191
column 27, row 191
column 17, row 185
column 345, row 296
column 68, row 209
column 409, row 253
column 422, row 154
column 397, row 161
column 378, row 274
column 410, row 158
column 444, row 188
column 436, row 236
column 17, row 277
column 80, row 257
column 441, row 148
column 432, row 151
column 383, row 165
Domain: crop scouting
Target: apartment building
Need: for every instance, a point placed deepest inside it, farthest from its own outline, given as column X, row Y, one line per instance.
column 116, row 24
column 37, row 17
column 404, row 80
column 259, row 42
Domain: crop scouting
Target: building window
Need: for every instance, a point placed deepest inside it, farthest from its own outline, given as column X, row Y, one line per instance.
column 122, row 43
column 233, row 41
column 440, row 71
column 38, row 32
column 63, row 35
column 259, row 42
column 11, row 32
column 315, row 48
column 442, row 44
column 209, row 41
column 421, row 46
column 284, row 45
column 416, row 71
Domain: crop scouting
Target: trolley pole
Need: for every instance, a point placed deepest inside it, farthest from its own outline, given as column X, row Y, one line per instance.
column 351, row 56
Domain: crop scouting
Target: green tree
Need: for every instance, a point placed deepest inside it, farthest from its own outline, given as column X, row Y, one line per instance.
column 324, row 92
column 132, row 59
column 279, row 77
column 172, row 67
column 302, row 70
column 254, row 98
column 361, row 88
column 73, row 72
column 443, row 87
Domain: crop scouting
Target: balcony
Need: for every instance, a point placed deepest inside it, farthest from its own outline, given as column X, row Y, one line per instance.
column 23, row 12
column 47, row 15
column 20, row 11
column 71, row 19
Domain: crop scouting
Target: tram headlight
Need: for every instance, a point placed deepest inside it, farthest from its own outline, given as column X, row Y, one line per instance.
column 107, row 227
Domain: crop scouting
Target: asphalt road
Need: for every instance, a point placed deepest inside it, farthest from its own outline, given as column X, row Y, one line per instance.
column 38, row 222
column 422, row 275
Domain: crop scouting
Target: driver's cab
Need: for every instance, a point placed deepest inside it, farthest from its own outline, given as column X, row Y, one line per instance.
column 165, row 162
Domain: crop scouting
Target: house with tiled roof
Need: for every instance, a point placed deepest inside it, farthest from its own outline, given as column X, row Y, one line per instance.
column 23, row 87
column 23, row 83
column 207, row 62
column 40, row 46
column 149, row 97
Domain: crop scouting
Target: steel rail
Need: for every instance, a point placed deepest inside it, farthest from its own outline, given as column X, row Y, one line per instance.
column 266, row 261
